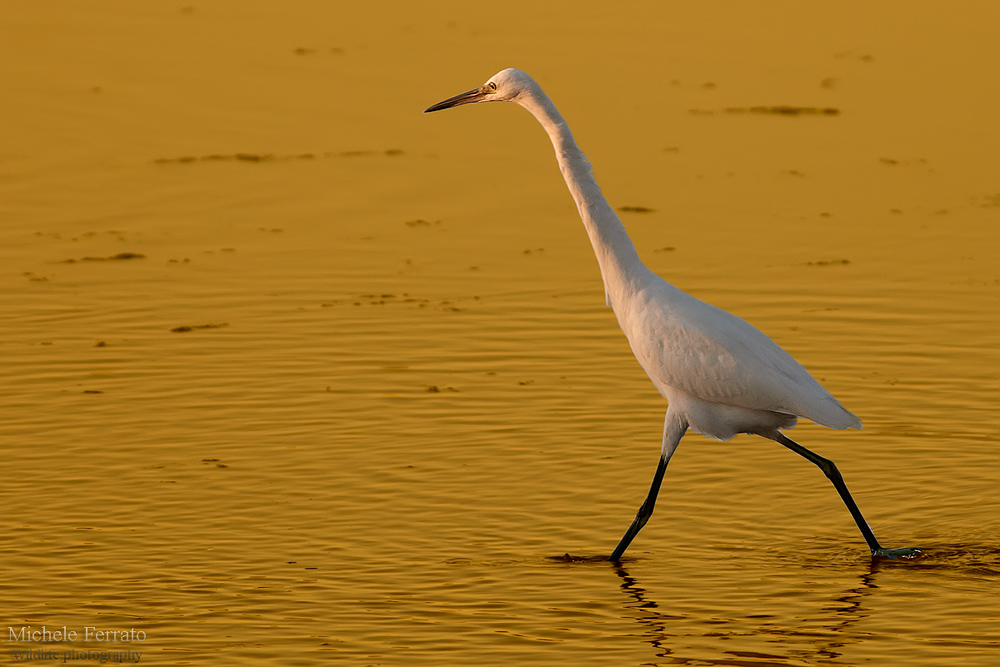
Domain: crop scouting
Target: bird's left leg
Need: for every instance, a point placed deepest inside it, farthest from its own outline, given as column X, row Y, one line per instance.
column 830, row 470
column 673, row 430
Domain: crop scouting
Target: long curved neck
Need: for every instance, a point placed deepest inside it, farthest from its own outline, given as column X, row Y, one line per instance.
column 615, row 252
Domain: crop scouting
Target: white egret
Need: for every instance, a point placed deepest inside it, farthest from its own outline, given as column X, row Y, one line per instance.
column 720, row 375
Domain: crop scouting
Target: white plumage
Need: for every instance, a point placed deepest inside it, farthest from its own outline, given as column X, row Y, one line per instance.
column 720, row 375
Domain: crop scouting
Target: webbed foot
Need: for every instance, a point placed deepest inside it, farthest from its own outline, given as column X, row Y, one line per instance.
column 905, row 552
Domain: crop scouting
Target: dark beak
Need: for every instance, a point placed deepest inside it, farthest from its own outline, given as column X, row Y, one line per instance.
column 476, row 95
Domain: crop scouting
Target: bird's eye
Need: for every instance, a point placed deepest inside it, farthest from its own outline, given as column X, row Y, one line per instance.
column 493, row 86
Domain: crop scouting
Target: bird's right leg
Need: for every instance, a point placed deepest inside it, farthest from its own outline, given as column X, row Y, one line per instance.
column 673, row 430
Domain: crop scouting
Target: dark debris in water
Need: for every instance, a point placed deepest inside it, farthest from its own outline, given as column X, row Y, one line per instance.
column 895, row 162
column 405, row 299
column 185, row 329
column 252, row 158
column 865, row 57
column 829, row 262
column 239, row 157
column 786, row 110
column 111, row 258
column 312, row 51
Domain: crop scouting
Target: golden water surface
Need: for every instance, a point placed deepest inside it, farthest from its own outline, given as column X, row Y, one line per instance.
column 296, row 375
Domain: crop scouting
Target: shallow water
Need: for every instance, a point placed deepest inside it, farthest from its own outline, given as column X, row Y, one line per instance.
column 294, row 373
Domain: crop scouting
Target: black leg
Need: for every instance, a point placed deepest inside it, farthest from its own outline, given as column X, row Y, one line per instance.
column 642, row 516
column 830, row 470
column 673, row 430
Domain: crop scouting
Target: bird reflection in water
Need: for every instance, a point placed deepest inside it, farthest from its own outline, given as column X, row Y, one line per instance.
column 663, row 631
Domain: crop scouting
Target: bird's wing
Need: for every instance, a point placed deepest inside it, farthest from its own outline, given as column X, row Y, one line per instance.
column 704, row 351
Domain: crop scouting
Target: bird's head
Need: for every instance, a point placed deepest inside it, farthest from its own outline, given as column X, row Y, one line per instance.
column 504, row 86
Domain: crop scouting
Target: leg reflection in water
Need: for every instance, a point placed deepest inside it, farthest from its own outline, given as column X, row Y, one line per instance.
column 710, row 638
